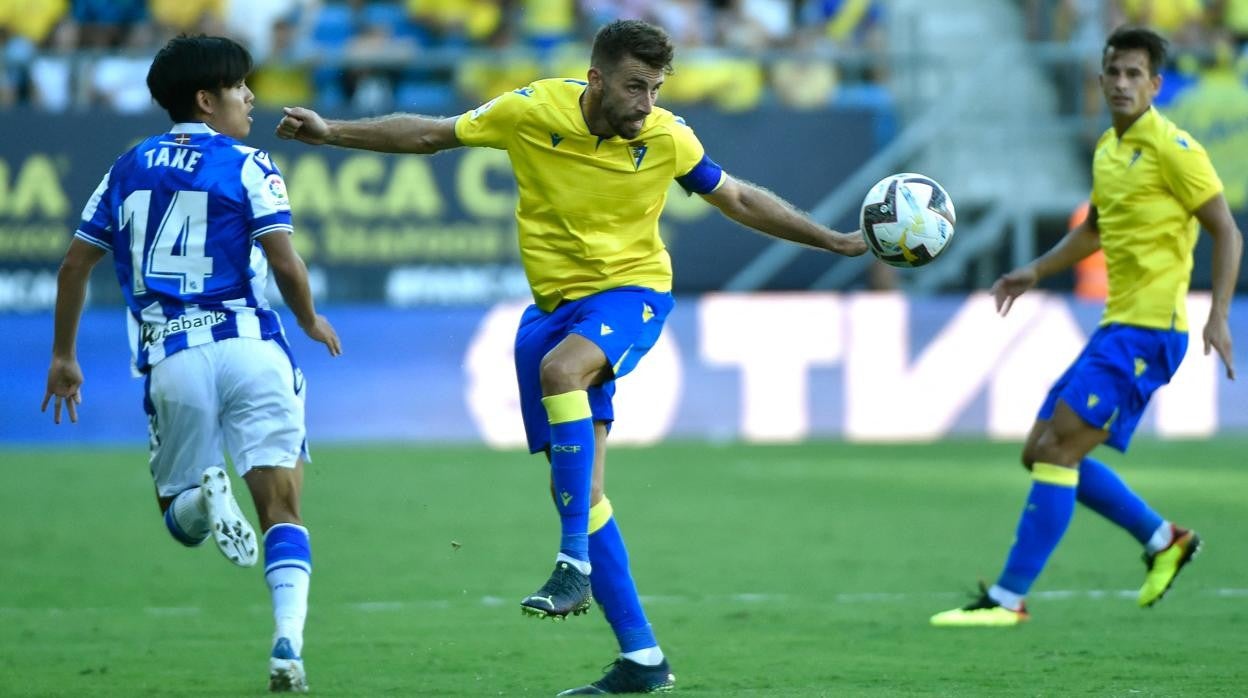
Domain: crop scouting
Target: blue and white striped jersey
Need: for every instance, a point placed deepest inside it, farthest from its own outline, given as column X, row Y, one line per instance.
column 181, row 213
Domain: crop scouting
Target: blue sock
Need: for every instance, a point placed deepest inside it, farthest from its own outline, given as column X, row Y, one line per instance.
column 1102, row 491
column 572, row 467
column 612, row 582
column 1050, row 506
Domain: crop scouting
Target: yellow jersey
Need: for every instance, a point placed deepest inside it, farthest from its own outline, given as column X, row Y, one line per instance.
column 588, row 207
column 1145, row 187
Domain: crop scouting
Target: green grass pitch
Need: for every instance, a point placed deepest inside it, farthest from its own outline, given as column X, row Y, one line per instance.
column 803, row 570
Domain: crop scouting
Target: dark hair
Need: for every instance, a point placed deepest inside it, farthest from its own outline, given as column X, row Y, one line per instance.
column 630, row 37
column 188, row 64
column 1129, row 38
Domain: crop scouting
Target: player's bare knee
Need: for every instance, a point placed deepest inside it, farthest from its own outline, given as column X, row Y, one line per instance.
column 1052, row 448
column 558, row 376
column 1028, row 459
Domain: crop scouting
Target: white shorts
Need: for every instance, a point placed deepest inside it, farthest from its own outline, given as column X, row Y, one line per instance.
column 240, row 396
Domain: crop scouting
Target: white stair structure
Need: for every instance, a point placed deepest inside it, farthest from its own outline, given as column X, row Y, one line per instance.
column 1003, row 142
column 982, row 117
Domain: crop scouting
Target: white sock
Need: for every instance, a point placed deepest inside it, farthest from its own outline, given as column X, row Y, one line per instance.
column 289, row 588
column 188, row 512
column 650, row 656
column 581, row 565
column 1162, row 538
column 1006, row 598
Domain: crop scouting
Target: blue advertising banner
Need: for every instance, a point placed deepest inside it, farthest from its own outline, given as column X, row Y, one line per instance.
column 759, row 368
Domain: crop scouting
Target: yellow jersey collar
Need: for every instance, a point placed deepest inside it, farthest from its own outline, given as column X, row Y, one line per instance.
column 1143, row 126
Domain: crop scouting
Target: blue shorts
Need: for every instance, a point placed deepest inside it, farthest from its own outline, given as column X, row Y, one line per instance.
column 624, row 322
column 1109, row 385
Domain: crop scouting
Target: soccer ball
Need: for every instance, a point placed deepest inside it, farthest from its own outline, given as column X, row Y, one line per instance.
column 907, row 219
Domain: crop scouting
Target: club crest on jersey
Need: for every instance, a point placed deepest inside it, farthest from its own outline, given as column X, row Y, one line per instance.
column 638, row 150
column 555, row 139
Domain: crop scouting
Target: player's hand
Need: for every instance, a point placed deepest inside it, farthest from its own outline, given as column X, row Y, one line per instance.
column 65, row 384
column 1218, row 336
column 303, row 125
column 1011, row 286
column 323, row 332
column 851, row 244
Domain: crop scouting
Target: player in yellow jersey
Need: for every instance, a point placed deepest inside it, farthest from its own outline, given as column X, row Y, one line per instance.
column 593, row 160
column 1151, row 185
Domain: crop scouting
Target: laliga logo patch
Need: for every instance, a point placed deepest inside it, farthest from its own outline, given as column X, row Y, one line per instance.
column 275, row 191
column 483, row 108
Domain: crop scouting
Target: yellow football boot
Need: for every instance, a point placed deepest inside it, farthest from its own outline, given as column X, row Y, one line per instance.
column 1164, row 566
column 981, row 613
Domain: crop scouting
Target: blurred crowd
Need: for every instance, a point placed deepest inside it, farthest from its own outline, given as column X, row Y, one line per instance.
column 440, row 55
column 1208, row 38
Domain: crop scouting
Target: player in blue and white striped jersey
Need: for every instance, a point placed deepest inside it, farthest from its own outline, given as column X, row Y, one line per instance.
column 195, row 221
column 160, row 200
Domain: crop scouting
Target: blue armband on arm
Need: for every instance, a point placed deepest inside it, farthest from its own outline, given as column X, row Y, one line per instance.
column 704, row 178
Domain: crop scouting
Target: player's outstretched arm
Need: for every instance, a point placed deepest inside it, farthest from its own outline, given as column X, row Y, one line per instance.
column 396, row 133
column 755, row 207
column 292, row 280
column 1228, row 245
column 64, row 374
column 1077, row 244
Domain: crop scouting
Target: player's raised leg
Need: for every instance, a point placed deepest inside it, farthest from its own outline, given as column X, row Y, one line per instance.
column 571, row 467
column 567, row 591
column 566, row 372
column 182, row 404
column 209, row 509
column 228, row 527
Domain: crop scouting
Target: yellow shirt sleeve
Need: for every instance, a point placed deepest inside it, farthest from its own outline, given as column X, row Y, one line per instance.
column 1187, row 171
column 493, row 124
column 689, row 150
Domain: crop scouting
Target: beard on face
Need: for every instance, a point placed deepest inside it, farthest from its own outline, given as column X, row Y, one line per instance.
column 622, row 124
column 626, row 131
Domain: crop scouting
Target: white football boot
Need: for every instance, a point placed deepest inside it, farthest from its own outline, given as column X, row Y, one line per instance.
column 229, row 528
column 286, row 670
